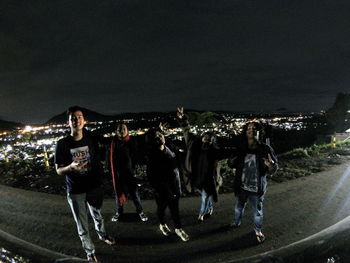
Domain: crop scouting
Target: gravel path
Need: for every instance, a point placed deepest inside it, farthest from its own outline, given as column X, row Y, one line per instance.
column 293, row 210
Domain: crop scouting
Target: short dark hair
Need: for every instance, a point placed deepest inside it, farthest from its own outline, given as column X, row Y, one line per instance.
column 120, row 124
column 259, row 127
column 73, row 109
column 212, row 135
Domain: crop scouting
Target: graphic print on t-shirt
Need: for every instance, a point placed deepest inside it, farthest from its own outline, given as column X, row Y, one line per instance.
column 82, row 154
column 250, row 174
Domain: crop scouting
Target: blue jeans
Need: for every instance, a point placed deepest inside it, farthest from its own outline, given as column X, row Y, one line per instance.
column 257, row 208
column 135, row 196
column 206, row 203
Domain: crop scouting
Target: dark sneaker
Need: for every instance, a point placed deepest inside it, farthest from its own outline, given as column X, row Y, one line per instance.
column 182, row 234
column 164, row 229
column 116, row 217
column 92, row 258
column 143, row 217
column 108, row 240
column 234, row 225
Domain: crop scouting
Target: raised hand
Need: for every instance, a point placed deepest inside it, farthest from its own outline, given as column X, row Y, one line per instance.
column 163, row 126
column 268, row 161
column 180, row 112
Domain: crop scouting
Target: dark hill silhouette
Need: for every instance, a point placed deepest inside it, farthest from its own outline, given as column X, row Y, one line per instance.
column 93, row 116
column 89, row 115
column 9, row 125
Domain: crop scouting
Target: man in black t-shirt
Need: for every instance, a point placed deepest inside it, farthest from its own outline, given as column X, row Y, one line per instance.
column 77, row 158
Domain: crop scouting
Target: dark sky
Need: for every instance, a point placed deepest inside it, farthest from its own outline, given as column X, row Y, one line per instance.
column 136, row 55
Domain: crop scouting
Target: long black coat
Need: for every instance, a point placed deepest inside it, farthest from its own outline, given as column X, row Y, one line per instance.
column 201, row 165
column 163, row 173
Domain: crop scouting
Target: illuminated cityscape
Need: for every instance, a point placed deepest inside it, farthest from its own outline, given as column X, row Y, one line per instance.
column 37, row 143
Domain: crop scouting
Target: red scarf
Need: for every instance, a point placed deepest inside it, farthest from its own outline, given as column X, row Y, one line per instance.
column 124, row 139
column 119, row 193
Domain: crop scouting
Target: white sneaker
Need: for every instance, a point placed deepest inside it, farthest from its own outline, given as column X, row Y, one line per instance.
column 165, row 229
column 182, row 234
column 116, row 217
column 143, row 217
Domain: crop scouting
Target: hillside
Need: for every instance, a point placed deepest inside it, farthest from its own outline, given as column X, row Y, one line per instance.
column 8, row 125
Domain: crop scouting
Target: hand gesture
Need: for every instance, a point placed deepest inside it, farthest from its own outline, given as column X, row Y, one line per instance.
column 163, row 126
column 180, row 112
column 77, row 166
column 268, row 161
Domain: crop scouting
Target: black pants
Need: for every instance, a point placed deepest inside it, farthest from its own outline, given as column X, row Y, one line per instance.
column 163, row 202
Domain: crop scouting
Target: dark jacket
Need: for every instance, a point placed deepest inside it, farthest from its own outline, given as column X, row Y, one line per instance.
column 123, row 155
column 163, row 173
column 201, row 165
column 261, row 152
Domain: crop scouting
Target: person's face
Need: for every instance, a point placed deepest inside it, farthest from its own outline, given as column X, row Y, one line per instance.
column 252, row 132
column 122, row 131
column 206, row 138
column 76, row 120
column 159, row 138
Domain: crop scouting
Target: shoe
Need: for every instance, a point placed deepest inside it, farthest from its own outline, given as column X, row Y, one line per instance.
column 234, row 225
column 92, row 258
column 108, row 240
column 210, row 212
column 260, row 237
column 200, row 219
column 182, row 234
column 143, row 217
column 116, row 217
column 165, row 229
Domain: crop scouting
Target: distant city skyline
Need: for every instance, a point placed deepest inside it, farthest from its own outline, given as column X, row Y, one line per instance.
column 130, row 56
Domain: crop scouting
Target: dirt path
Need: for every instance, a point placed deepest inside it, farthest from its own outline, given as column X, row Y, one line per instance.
column 293, row 211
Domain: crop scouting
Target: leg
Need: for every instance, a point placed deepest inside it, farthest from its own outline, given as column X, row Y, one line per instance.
column 118, row 210
column 257, row 209
column 241, row 201
column 118, row 207
column 210, row 206
column 94, row 201
column 161, row 206
column 77, row 203
column 174, row 211
column 162, row 203
column 135, row 196
column 204, row 203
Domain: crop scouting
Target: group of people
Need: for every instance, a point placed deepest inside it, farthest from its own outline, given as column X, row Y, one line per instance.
column 79, row 158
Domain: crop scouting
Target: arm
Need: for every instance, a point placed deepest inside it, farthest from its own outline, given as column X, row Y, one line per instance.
column 271, row 162
column 184, row 124
column 61, row 163
column 74, row 166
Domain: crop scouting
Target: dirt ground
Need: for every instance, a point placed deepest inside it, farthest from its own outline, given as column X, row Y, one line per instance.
column 293, row 210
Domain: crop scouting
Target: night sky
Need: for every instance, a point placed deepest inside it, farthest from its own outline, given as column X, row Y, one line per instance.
column 140, row 55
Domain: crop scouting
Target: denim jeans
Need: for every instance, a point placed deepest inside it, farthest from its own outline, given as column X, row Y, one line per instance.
column 206, row 203
column 257, row 208
column 79, row 204
column 135, row 196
